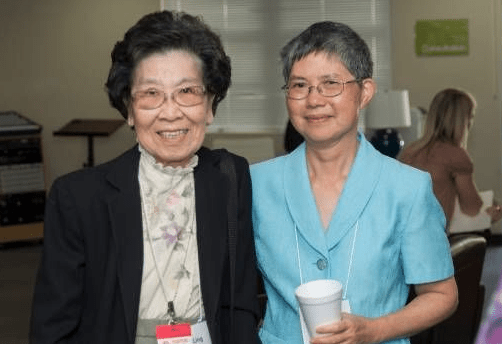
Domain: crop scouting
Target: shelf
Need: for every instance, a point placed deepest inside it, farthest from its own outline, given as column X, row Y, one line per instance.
column 22, row 232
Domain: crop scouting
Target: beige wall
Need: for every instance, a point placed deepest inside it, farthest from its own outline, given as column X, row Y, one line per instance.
column 477, row 73
column 55, row 59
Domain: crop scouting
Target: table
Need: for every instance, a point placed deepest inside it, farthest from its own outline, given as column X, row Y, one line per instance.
column 90, row 128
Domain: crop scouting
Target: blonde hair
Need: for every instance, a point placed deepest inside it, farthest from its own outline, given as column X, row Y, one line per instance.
column 448, row 120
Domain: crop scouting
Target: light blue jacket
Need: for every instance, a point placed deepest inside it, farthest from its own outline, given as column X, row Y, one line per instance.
column 387, row 232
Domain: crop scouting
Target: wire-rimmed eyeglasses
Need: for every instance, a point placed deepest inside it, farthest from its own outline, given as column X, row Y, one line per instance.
column 153, row 98
column 299, row 90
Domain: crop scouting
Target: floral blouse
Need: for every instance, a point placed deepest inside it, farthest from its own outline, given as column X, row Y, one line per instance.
column 171, row 266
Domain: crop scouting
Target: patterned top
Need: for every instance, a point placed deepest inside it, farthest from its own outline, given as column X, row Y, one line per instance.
column 171, row 266
column 490, row 331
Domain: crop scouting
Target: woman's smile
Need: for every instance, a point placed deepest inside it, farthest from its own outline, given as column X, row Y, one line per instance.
column 173, row 134
column 318, row 118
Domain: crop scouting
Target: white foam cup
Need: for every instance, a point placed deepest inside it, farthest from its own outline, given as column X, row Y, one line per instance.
column 320, row 303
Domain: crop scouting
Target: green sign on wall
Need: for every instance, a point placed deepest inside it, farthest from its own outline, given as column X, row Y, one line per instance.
column 442, row 37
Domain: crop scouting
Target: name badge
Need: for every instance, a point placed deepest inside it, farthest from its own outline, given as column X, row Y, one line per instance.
column 200, row 333
column 173, row 334
column 183, row 333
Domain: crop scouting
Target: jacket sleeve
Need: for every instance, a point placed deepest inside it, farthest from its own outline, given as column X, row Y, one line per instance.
column 58, row 290
column 246, row 301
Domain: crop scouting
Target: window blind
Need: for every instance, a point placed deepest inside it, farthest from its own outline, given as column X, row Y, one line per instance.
column 253, row 32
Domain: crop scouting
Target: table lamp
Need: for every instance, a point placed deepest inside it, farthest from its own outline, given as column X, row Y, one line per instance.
column 387, row 111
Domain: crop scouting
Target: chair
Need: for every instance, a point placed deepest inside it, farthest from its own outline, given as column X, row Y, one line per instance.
column 468, row 253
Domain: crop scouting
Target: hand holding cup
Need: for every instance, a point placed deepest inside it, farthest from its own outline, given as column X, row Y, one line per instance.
column 320, row 303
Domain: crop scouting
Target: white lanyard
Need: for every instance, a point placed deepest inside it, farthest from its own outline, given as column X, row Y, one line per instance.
column 351, row 258
column 159, row 275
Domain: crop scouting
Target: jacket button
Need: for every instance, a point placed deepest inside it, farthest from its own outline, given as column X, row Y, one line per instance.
column 322, row 264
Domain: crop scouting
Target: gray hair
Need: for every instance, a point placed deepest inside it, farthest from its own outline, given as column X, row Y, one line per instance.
column 334, row 39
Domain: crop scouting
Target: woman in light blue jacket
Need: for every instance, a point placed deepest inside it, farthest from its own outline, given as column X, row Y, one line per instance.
column 335, row 208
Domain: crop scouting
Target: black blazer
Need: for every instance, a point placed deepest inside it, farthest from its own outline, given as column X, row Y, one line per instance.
column 89, row 281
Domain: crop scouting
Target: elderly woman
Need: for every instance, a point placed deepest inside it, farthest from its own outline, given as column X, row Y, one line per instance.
column 138, row 246
column 441, row 151
column 341, row 210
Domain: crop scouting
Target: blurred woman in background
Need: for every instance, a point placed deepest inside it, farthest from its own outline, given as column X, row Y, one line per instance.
column 442, row 152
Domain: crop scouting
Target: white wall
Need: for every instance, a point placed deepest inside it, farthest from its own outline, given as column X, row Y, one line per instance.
column 477, row 73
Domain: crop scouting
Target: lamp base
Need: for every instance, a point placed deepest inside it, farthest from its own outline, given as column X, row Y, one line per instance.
column 387, row 141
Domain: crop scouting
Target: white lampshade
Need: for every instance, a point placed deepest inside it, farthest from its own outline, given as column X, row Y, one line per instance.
column 388, row 109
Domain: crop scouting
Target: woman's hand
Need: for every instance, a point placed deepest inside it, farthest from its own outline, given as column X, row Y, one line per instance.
column 434, row 302
column 351, row 329
column 495, row 211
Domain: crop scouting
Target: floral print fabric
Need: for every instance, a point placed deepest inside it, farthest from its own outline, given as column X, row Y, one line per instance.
column 170, row 268
column 490, row 331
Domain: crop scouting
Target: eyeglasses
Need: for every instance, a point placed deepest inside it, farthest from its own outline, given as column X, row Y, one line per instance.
column 153, row 98
column 329, row 88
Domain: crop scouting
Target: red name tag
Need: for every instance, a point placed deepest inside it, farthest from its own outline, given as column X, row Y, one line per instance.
column 173, row 331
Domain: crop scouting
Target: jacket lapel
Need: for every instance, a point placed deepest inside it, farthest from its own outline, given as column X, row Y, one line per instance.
column 357, row 191
column 300, row 200
column 210, row 202
column 125, row 217
column 359, row 185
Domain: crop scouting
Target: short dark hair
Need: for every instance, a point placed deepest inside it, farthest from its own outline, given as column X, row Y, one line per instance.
column 165, row 31
column 334, row 39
